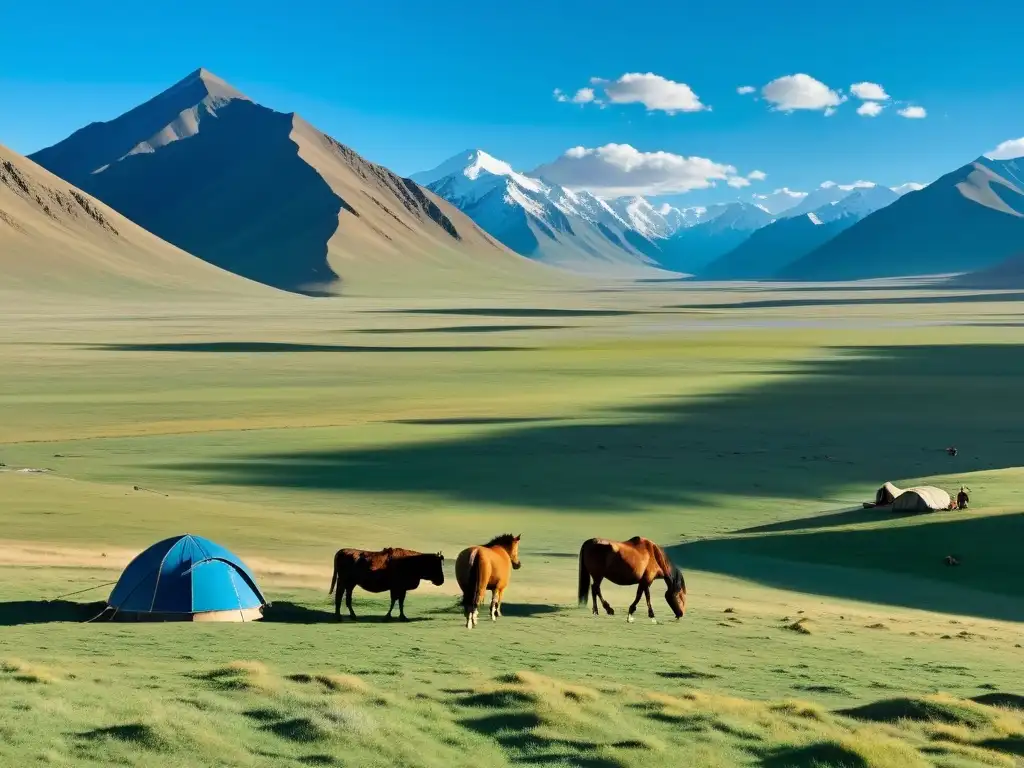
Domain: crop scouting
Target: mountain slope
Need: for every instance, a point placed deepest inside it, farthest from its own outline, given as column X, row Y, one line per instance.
column 826, row 194
column 546, row 222
column 54, row 237
column 785, row 240
column 267, row 196
column 1005, row 274
column 970, row 219
column 690, row 250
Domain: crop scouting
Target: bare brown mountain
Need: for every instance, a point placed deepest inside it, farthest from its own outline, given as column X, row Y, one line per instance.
column 54, row 236
column 266, row 195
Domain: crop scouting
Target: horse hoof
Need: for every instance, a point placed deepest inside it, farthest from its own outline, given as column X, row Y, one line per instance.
column 653, row 620
column 629, row 619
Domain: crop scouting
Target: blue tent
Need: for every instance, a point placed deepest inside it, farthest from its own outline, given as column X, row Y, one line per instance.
column 187, row 578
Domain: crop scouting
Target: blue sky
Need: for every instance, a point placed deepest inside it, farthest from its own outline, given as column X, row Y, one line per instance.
column 409, row 84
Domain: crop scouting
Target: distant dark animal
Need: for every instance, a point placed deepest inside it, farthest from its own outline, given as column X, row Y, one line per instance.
column 637, row 561
column 951, row 450
column 393, row 570
column 950, row 560
column 962, row 499
column 486, row 567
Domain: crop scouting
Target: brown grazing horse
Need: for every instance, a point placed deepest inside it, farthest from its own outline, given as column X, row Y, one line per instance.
column 393, row 569
column 480, row 568
column 637, row 561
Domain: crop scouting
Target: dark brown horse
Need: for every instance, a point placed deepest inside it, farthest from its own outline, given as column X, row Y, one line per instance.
column 480, row 568
column 393, row 570
column 637, row 561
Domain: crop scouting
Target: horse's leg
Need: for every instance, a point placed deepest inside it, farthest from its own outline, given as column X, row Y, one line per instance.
column 632, row 608
column 650, row 608
column 394, row 599
column 401, row 606
column 499, row 595
column 494, row 604
column 339, row 595
column 348, row 600
column 598, row 596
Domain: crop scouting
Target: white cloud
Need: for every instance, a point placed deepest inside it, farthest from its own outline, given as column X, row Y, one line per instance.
column 1008, row 150
column 870, row 109
column 736, row 182
column 856, row 185
column 617, row 170
column 656, row 93
column 827, row 184
column 910, row 186
column 783, row 192
column 582, row 96
column 801, row 91
column 913, row 113
column 743, row 90
column 869, row 92
column 757, row 175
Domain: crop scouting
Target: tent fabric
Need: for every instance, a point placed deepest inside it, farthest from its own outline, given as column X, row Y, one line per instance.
column 886, row 495
column 926, row 498
column 188, row 577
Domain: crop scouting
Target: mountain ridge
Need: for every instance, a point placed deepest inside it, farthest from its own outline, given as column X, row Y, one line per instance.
column 268, row 196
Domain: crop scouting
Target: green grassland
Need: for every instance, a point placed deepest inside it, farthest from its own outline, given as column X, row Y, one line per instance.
column 741, row 429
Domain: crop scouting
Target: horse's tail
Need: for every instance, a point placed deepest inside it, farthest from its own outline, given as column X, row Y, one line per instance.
column 584, row 584
column 334, row 578
column 475, row 583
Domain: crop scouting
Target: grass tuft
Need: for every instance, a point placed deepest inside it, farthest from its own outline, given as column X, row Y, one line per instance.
column 932, row 709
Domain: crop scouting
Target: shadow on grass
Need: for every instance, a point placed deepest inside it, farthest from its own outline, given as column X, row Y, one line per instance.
column 470, row 420
column 855, row 516
column 899, row 565
column 508, row 610
column 857, row 418
column 821, row 755
column 957, row 298
column 20, row 612
column 136, row 734
column 515, row 312
column 465, row 329
column 285, row 612
column 271, row 346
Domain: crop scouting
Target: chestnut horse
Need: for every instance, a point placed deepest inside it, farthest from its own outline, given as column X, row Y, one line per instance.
column 637, row 561
column 393, row 569
column 480, row 568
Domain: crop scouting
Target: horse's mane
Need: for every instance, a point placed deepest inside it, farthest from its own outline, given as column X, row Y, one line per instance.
column 505, row 540
column 673, row 574
column 678, row 582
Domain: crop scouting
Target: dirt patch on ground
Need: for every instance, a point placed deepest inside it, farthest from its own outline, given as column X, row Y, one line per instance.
column 21, row 553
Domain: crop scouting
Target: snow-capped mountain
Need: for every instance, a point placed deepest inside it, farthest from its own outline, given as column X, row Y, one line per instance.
column 970, row 219
column 788, row 239
column 547, row 222
column 827, row 193
column 724, row 227
column 910, row 186
column 656, row 223
column 778, row 201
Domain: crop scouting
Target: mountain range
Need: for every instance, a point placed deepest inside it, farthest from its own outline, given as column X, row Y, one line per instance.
column 267, row 196
column 201, row 170
column 970, row 219
column 794, row 234
column 631, row 237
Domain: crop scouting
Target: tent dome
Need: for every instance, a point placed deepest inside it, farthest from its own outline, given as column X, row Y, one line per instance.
column 188, row 578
